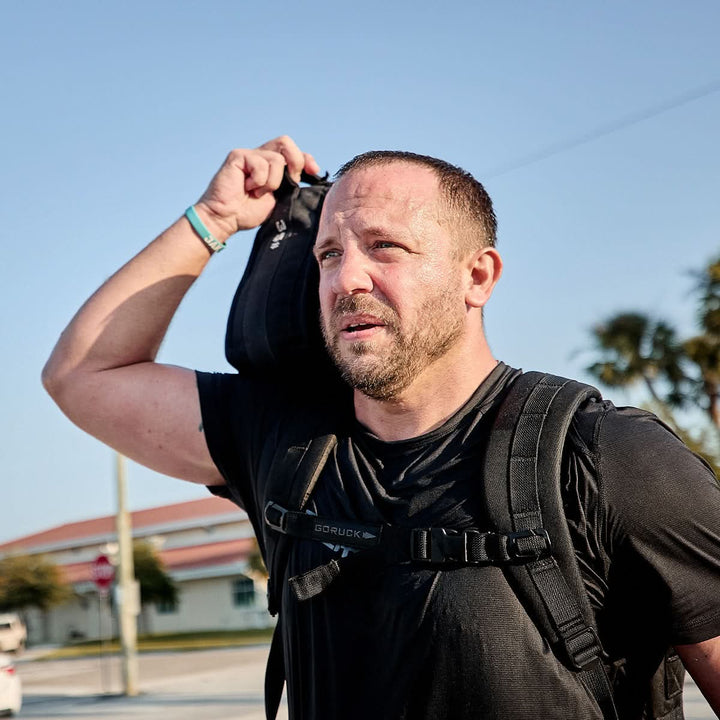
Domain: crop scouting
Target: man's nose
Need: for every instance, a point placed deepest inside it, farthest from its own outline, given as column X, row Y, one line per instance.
column 352, row 274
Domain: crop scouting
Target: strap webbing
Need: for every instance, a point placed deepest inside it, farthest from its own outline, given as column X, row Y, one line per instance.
column 304, row 474
column 274, row 674
column 313, row 582
column 533, row 466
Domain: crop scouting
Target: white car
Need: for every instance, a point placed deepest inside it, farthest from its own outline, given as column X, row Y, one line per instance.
column 10, row 688
column 12, row 633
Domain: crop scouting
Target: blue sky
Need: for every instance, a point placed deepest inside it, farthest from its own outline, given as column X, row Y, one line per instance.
column 593, row 125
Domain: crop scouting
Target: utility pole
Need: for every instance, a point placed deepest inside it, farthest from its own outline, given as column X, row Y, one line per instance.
column 128, row 595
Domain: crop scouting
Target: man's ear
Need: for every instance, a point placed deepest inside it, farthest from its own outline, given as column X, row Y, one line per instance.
column 485, row 268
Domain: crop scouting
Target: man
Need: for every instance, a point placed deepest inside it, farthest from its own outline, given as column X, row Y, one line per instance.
column 407, row 263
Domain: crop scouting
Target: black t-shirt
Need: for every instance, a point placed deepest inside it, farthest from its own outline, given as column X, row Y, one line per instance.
column 424, row 644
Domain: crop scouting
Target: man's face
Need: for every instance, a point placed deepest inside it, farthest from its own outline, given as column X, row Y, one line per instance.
column 391, row 297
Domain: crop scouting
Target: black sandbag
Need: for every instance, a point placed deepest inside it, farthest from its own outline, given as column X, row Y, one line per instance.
column 273, row 326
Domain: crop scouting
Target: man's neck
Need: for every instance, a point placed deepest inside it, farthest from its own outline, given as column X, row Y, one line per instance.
column 432, row 399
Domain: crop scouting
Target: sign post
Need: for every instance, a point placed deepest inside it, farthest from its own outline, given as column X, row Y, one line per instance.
column 103, row 574
column 127, row 607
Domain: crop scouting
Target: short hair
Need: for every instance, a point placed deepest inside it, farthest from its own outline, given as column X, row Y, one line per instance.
column 465, row 198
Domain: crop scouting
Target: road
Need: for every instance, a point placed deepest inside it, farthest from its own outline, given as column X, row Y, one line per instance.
column 208, row 685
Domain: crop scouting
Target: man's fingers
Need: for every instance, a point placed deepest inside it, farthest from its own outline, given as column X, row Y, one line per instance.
column 275, row 175
column 268, row 177
column 295, row 159
column 256, row 171
column 263, row 172
column 311, row 165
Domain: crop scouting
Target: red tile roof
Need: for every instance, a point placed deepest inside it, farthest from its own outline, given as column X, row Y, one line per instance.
column 218, row 553
column 209, row 507
column 186, row 558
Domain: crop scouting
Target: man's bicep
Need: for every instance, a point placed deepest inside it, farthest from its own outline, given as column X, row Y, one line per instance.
column 702, row 661
column 150, row 413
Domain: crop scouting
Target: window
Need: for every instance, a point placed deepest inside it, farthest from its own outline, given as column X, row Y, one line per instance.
column 166, row 608
column 243, row 591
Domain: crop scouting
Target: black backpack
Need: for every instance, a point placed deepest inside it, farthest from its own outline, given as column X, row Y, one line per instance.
column 273, row 329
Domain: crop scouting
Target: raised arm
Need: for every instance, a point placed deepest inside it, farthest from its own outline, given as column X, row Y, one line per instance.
column 102, row 372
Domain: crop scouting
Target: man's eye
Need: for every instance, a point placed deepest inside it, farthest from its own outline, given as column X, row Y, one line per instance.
column 385, row 245
column 327, row 255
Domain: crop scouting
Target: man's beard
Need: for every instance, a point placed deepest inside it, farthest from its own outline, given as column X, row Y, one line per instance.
column 384, row 372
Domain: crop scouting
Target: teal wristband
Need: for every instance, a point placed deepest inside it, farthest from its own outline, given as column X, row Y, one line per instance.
column 203, row 233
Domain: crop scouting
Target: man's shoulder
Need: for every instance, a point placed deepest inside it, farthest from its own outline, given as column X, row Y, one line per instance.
column 635, row 460
column 601, row 426
column 272, row 389
column 259, row 402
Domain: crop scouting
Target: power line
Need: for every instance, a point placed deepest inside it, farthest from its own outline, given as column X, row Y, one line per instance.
column 604, row 130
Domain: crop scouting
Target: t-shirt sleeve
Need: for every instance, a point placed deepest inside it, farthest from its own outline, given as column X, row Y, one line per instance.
column 229, row 417
column 663, row 522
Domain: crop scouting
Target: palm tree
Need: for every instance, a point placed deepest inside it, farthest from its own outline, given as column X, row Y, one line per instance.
column 704, row 349
column 708, row 288
column 633, row 347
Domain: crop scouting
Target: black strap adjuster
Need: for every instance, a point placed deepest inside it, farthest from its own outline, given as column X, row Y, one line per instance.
column 276, row 517
column 472, row 547
column 582, row 647
column 531, row 544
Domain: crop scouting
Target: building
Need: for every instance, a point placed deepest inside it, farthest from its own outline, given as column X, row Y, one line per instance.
column 205, row 546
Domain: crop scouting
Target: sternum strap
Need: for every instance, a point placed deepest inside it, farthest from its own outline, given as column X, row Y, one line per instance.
column 392, row 545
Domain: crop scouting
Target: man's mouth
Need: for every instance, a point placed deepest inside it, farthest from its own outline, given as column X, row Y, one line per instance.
column 357, row 327
column 354, row 327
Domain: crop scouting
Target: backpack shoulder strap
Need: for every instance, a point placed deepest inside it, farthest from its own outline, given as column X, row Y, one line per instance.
column 523, row 495
column 294, row 477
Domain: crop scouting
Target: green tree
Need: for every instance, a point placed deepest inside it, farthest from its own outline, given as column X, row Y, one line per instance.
column 156, row 586
column 31, row 581
column 256, row 562
column 703, row 350
column 631, row 347
column 708, row 289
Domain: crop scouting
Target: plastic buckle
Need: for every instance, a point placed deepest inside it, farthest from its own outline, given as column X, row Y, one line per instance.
column 276, row 517
column 438, row 545
column 528, row 553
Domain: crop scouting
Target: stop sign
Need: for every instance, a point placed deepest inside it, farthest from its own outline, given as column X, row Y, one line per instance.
column 103, row 573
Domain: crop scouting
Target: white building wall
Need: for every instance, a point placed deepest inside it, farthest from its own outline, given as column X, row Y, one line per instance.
column 84, row 617
column 207, row 604
column 204, row 604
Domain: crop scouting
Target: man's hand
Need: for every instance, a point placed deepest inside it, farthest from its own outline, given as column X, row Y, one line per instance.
column 240, row 196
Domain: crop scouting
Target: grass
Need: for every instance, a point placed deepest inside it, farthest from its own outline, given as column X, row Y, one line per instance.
column 157, row 643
